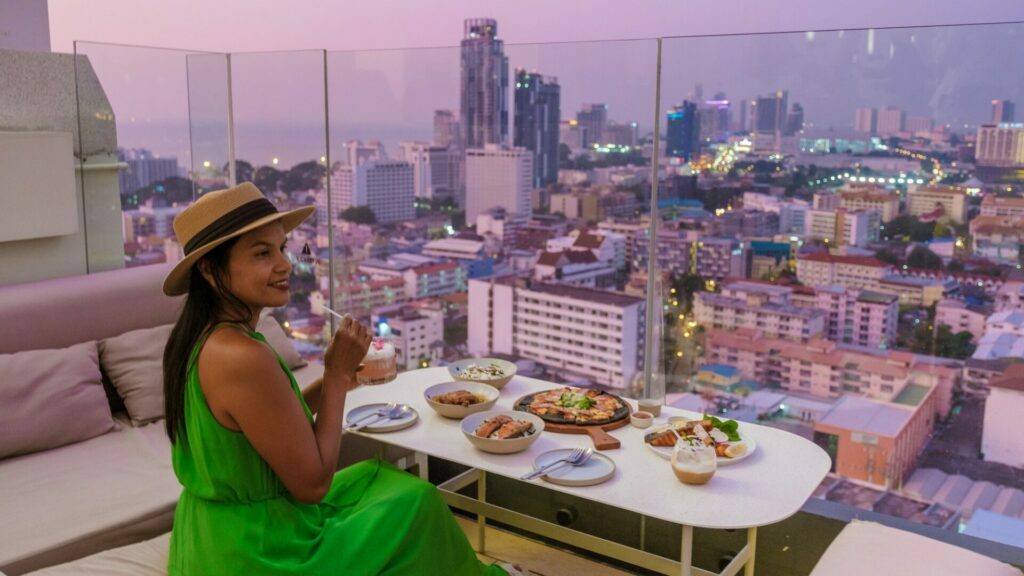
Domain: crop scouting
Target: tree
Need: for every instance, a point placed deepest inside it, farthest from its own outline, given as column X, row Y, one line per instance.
column 564, row 155
column 955, row 266
column 266, row 179
column 305, row 176
column 359, row 215
column 888, row 257
column 943, row 342
column 686, row 286
column 922, row 257
column 243, row 171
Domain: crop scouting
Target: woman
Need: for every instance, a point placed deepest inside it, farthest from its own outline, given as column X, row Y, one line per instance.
column 261, row 495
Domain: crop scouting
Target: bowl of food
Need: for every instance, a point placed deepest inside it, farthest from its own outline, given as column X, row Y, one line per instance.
column 460, row 399
column 502, row 431
column 490, row 371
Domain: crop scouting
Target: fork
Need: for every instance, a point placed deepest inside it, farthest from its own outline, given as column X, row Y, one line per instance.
column 575, row 458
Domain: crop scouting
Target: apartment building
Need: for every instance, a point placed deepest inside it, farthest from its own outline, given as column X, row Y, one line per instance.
column 997, row 237
column 870, row 197
column 361, row 297
column 992, row 205
column 418, row 338
column 765, row 307
column 826, row 369
column 1000, row 439
column 856, row 316
column 594, row 334
column 878, row 441
column 922, row 200
column 917, row 290
column 574, row 268
column 960, row 316
column 824, row 269
column 720, row 258
column 423, row 277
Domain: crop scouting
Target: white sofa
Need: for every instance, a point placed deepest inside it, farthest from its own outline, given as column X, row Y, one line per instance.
column 110, row 490
column 871, row 548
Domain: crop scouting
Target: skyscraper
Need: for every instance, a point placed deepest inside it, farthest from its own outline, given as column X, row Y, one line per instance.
column 1002, row 111
column 386, row 186
column 771, row 113
column 537, row 116
column 592, row 120
column 683, row 131
column 484, row 108
column 866, row 121
column 795, row 119
column 447, row 129
column 891, row 120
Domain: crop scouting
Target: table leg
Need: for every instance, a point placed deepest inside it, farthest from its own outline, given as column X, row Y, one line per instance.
column 686, row 561
column 748, row 570
column 420, row 459
column 481, row 520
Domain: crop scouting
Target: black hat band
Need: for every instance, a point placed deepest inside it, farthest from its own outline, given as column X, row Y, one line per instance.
column 230, row 222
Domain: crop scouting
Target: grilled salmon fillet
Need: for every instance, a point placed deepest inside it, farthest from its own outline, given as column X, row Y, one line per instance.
column 487, row 427
column 514, row 429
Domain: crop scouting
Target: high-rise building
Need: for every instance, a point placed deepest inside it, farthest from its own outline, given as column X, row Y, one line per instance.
column 891, row 120
column 385, row 186
column 355, row 152
column 866, row 121
column 917, row 124
column 795, row 119
column 144, row 168
column 771, row 113
column 537, row 117
column 1000, row 145
column 570, row 134
column 484, row 110
column 448, row 174
column 418, row 154
column 1002, row 111
column 683, row 131
column 596, row 334
column 742, row 124
column 447, row 129
column 592, row 119
column 498, row 177
column 622, row 134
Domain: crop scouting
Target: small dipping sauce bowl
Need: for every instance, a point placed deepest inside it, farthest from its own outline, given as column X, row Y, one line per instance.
column 641, row 419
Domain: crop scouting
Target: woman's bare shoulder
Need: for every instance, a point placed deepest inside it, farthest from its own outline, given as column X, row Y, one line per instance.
column 231, row 353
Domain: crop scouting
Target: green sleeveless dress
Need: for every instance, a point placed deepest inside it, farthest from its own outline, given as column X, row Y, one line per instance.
column 236, row 517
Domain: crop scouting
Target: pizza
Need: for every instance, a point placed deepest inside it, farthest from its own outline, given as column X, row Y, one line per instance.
column 570, row 405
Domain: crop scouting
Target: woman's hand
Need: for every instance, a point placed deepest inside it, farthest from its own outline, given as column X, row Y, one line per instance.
column 346, row 351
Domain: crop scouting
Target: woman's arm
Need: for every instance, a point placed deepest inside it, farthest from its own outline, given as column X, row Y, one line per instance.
column 247, row 391
column 311, row 394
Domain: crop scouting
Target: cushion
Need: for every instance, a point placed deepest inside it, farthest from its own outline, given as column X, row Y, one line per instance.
column 146, row 558
column 871, row 548
column 280, row 342
column 134, row 363
column 51, row 398
column 76, row 500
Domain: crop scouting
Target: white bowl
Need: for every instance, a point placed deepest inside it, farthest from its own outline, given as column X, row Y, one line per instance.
column 489, row 394
column 508, row 369
column 495, row 446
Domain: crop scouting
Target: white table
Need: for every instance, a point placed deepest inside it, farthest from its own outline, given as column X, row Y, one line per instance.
column 767, row 487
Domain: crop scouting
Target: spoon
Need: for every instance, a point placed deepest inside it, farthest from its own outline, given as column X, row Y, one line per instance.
column 391, row 413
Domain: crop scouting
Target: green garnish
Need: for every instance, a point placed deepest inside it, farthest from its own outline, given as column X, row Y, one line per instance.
column 578, row 401
column 729, row 427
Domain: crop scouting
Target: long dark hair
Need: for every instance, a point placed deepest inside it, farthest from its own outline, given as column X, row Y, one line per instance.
column 204, row 306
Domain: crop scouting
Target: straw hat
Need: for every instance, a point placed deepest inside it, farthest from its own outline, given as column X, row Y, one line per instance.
column 218, row 217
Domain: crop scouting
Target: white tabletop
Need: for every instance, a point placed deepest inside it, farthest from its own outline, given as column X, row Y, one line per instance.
column 767, row 487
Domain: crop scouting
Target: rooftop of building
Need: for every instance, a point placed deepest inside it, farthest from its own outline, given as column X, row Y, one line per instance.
column 723, row 370
column 770, row 307
column 435, row 268
column 859, row 414
column 912, row 394
column 991, row 200
column 455, row 245
column 872, row 297
column 1011, row 379
column 566, row 257
column 840, row 259
column 999, row 345
column 758, row 287
column 1012, row 317
column 913, row 281
column 605, row 297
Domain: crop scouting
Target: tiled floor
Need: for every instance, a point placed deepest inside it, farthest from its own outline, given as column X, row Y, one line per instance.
column 538, row 558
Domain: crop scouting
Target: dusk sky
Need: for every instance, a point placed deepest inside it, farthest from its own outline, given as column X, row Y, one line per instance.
column 391, row 94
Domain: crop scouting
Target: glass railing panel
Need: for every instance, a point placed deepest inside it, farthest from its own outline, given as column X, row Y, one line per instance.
column 135, row 185
column 833, row 200
column 280, row 144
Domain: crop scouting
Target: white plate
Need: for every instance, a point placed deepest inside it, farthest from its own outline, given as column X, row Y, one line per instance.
column 666, row 452
column 384, row 425
column 594, row 471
